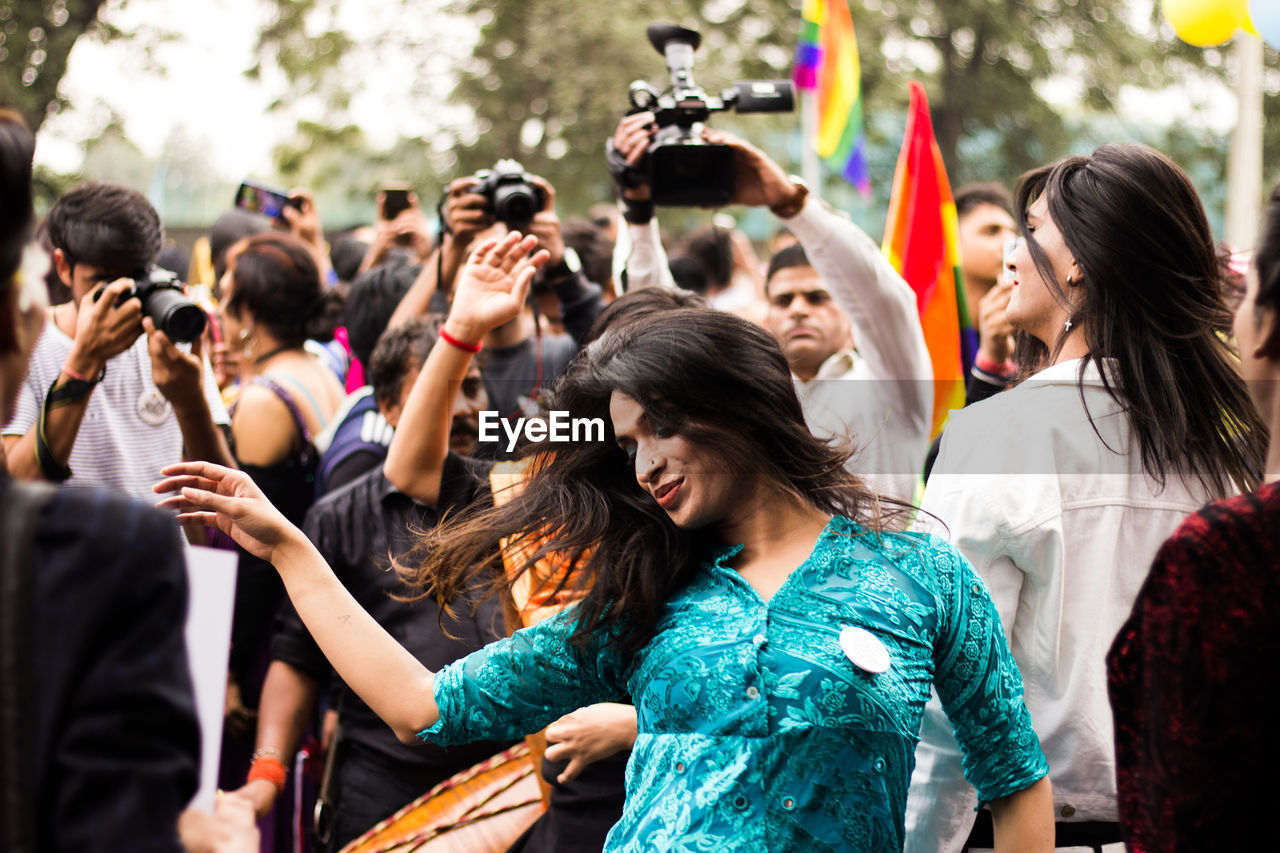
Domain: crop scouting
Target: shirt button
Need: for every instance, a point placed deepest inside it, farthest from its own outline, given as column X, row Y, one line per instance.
column 679, row 766
column 977, row 589
column 753, row 692
column 879, row 765
column 788, row 803
column 740, row 802
column 1068, row 810
column 758, row 639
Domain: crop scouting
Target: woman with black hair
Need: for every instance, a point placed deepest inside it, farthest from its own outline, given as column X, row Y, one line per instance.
column 1132, row 415
column 777, row 639
column 1196, row 740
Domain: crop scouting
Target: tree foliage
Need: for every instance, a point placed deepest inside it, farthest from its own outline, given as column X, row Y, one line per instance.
column 36, row 37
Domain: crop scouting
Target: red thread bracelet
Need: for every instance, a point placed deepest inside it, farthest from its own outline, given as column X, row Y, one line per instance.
column 269, row 769
column 987, row 365
column 462, row 345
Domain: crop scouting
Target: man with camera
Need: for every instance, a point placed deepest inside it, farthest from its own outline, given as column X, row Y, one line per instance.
column 846, row 320
column 521, row 357
column 109, row 398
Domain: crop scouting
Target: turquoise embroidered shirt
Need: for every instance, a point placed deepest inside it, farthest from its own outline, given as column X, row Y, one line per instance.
column 756, row 732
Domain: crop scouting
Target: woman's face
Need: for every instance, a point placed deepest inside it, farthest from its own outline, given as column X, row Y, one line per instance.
column 232, row 326
column 1252, row 330
column 690, row 483
column 1032, row 305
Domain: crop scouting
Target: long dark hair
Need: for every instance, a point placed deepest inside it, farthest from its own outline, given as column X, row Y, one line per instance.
column 1149, row 300
column 713, row 378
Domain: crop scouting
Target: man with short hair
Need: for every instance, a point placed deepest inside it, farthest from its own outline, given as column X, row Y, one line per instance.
column 105, row 404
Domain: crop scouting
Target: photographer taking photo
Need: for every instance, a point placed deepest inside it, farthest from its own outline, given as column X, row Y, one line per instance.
column 522, row 359
column 108, row 397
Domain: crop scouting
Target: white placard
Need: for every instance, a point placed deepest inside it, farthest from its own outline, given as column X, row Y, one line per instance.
column 211, row 579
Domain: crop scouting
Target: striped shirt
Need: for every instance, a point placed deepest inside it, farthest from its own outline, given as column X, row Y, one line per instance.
column 129, row 430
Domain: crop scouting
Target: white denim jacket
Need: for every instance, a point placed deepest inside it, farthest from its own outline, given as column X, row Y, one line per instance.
column 1062, row 524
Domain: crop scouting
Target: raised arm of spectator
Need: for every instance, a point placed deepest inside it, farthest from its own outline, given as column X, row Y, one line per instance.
column 643, row 260
column 581, row 300
column 466, row 216
column 304, row 223
column 878, row 302
column 483, row 300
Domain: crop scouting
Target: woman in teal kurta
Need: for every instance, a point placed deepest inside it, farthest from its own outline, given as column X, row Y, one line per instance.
column 778, row 641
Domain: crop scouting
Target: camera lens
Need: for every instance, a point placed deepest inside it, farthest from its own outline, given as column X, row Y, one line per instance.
column 176, row 315
column 515, row 205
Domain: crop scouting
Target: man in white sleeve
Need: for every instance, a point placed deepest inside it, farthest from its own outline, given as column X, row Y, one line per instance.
column 845, row 319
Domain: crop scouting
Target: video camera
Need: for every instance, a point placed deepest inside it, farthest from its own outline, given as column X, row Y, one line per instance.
column 513, row 197
column 685, row 170
column 164, row 302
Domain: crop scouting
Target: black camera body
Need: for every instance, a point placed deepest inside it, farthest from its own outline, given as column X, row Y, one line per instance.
column 513, row 197
column 685, row 170
column 164, row 301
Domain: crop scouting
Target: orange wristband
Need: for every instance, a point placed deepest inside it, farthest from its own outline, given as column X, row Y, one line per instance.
column 270, row 769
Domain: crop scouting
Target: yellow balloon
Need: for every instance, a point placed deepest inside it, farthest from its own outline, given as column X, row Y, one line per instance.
column 1205, row 23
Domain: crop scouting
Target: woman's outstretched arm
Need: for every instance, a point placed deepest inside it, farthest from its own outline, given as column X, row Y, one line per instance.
column 388, row 678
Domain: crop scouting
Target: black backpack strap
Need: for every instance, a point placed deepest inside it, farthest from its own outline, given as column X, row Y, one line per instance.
column 20, row 510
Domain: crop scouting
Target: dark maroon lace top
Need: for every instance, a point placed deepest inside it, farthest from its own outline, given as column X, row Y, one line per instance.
column 1194, row 681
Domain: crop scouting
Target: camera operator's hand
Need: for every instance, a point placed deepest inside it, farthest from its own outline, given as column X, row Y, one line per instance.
column 465, row 212
column 546, row 224
column 758, row 181
column 178, row 375
column 631, row 142
column 492, row 286
column 105, row 326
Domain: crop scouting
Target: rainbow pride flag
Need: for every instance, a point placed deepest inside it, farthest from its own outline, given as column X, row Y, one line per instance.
column 922, row 241
column 827, row 62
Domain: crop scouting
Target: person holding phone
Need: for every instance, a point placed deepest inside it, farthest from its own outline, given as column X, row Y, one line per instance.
column 401, row 227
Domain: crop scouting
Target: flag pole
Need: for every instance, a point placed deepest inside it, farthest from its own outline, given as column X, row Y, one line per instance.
column 1244, row 168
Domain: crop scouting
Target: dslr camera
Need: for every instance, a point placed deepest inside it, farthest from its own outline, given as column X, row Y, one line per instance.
column 164, row 302
column 683, row 169
column 513, row 197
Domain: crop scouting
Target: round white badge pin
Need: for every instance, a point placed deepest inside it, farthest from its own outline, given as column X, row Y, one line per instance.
column 153, row 408
column 864, row 649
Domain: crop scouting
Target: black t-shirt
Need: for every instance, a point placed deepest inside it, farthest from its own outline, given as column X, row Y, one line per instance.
column 357, row 529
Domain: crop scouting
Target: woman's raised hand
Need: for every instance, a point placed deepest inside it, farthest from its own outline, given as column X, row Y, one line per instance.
column 493, row 284
column 220, row 497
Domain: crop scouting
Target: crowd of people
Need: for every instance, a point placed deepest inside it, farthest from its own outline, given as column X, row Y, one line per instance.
column 751, row 604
